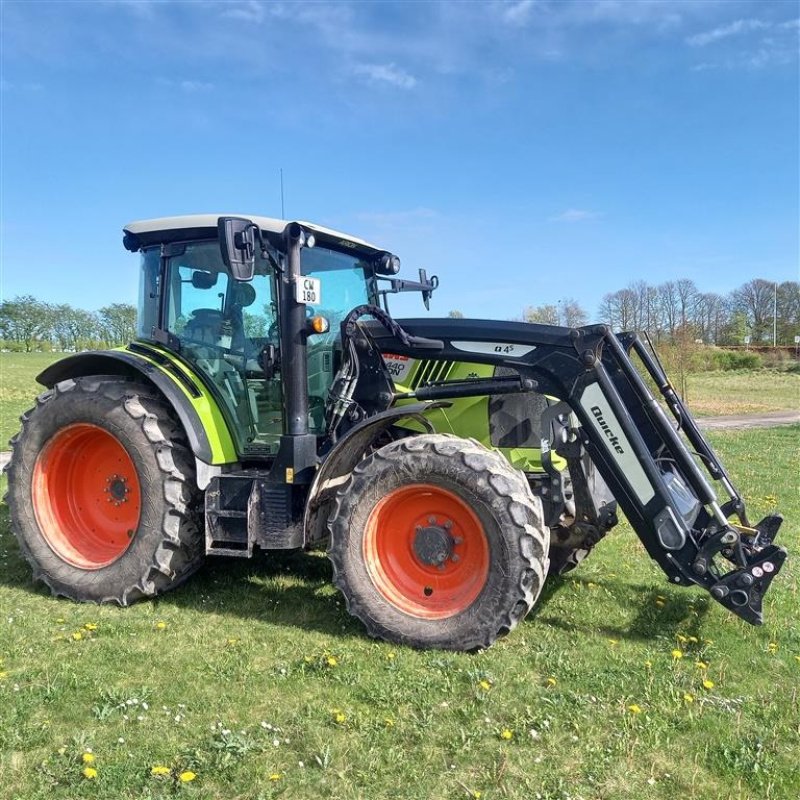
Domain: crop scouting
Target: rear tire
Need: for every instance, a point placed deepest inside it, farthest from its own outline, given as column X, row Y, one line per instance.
column 102, row 492
column 436, row 542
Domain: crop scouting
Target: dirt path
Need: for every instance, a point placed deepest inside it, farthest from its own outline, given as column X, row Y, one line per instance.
column 706, row 423
column 749, row 420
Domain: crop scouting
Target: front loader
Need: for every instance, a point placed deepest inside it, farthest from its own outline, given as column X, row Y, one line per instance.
column 271, row 401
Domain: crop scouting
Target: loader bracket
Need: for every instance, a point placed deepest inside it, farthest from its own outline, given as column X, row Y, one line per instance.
column 742, row 590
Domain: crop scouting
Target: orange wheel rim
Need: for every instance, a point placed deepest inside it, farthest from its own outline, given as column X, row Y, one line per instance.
column 426, row 551
column 86, row 496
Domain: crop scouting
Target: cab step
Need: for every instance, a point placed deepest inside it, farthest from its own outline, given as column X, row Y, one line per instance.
column 246, row 509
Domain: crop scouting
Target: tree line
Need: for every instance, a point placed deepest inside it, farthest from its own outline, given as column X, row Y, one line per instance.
column 28, row 324
column 759, row 312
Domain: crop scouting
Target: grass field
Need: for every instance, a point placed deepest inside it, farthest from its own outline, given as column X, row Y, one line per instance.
column 713, row 393
column 253, row 679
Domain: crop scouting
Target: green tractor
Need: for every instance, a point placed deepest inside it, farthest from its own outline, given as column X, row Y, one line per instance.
column 270, row 401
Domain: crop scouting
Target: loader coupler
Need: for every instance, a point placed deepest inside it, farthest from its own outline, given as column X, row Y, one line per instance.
column 742, row 590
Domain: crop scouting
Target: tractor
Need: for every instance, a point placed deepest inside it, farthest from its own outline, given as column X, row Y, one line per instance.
column 270, row 401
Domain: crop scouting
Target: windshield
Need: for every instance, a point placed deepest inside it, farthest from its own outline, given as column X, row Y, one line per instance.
column 344, row 282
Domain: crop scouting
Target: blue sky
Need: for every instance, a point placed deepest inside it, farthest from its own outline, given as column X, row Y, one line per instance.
column 524, row 151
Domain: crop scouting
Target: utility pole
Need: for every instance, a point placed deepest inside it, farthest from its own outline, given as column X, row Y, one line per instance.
column 775, row 317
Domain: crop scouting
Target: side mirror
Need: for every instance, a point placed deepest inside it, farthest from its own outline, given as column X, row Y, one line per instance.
column 237, row 243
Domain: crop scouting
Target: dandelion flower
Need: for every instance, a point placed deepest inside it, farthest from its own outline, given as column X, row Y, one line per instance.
column 476, row 795
column 506, row 734
column 275, row 777
column 160, row 769
column 635, row 709
column 390, row 656
column 648, row 664
column 77, row 636
column 772, row 647
column 689, row 698
column 551, row 681
column 797, row 658
column 677, row 654
column 90, row 626
column 693, row 639
column 613, row 642
column 187, row 777
column 485, row 685
column 161, row 625
column 338, row 716
column 701, row 664
column 332, row 661
column 88, row 758
column 708, row 684
column 90, row 773
column 389, row 722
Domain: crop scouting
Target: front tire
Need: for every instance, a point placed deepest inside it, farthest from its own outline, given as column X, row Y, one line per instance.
column 102, row 493
column 437, row 542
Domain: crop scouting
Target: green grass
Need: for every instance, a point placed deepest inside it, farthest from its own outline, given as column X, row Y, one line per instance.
column 18, row 387
column 745, row 392
column 239, row 687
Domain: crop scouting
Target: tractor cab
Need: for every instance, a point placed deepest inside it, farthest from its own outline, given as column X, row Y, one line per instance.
column 228, row 329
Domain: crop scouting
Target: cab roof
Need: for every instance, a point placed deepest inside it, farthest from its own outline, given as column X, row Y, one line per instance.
column 190, row 226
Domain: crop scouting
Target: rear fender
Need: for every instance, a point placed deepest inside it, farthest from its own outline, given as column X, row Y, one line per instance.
column 207, row 433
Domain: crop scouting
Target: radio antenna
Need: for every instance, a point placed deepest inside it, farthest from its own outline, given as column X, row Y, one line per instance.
column 283, row 213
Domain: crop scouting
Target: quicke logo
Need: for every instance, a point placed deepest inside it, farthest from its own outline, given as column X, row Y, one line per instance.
column 606, row 430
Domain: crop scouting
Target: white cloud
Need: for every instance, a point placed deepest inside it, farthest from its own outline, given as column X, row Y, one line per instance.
column 517, row 13
column 385, row 73
column 575, row 215
column 186, row 85
column 196, row 86
column 725, row 31
column 26, row 87
column 145, row 9
column 247, row 11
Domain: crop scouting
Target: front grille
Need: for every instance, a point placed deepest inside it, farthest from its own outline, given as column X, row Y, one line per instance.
column 430, row 372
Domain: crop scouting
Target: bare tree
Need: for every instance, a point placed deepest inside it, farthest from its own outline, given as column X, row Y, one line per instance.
column 545, row 315
column 669, row 308
column 572, row 314
column 788, row 311
column 756, row 300
column 618, row 309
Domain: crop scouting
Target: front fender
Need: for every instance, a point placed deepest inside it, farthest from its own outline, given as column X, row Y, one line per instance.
column 347, row 452
column 205, row 428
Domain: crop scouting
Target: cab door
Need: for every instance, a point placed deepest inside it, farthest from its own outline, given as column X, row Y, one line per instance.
column 223, row 327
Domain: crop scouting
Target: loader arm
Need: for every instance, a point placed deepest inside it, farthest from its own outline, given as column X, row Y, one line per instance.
column 661, row 476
